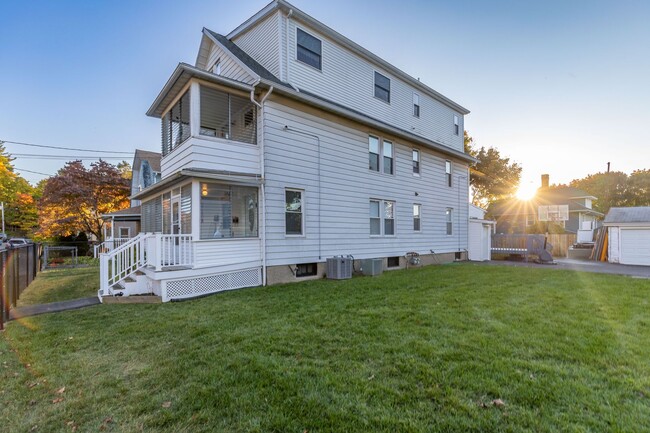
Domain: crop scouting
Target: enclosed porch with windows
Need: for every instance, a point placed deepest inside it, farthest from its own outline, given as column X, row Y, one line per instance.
column 208, row 122
column 200, row 235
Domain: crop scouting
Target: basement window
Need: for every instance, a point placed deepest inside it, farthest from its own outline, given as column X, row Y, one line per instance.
column 306, row 270
column 392, row 262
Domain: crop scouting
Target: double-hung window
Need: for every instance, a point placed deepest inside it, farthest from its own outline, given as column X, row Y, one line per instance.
column 448, row 172
column 417, row 212
column 416, row 105
column 382, row 217
column 416, row 161
column 309, row 49
column 382, row 87
column 380, row 155
column 456, row 125
column 294, row 221
column 449, row 220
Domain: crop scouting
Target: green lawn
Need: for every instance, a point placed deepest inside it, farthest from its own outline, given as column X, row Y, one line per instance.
column 61, row 285
column 417, row 350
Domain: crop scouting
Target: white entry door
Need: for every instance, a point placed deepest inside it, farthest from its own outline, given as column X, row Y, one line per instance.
column 635, row 247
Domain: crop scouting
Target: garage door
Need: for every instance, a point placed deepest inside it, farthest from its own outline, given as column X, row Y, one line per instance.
column 635, row 246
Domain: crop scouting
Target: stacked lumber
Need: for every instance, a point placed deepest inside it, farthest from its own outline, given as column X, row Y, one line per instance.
column 599, row 253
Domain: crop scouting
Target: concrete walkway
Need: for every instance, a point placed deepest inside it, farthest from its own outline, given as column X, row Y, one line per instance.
column 54, row 307
column 582, row 266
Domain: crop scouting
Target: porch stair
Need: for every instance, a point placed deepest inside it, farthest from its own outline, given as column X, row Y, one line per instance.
column 119, row 266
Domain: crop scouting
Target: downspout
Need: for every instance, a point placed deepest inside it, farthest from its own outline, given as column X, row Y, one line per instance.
column 262, row 227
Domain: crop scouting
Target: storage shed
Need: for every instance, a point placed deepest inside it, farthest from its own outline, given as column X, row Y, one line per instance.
column 628, row 230
column 480, row 234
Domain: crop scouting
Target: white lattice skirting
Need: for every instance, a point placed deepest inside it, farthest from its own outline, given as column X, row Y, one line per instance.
column 193, row 287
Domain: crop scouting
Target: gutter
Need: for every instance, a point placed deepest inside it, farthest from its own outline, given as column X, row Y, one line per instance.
column 262, row 172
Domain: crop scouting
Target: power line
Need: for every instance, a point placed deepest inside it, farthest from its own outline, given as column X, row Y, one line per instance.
column 62, row 148
column 34, row 172
column 62, row 157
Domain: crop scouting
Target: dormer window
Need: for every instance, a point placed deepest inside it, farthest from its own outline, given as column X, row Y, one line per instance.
column 308, row 49
column 216, row 68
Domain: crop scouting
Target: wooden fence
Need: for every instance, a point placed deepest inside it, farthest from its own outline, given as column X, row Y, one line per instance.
column 18, row 269
column 560, row 242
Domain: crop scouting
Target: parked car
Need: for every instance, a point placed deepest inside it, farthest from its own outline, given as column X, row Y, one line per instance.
column 3, row 237
column 17, row 242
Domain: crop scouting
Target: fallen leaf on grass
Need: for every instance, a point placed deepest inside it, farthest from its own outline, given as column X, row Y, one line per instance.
column 57, row 400
column 60, row 390
column 498, row 402
column 167, row 404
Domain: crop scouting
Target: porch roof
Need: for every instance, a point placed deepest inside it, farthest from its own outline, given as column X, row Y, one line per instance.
column 225, row 176
column 124, row 214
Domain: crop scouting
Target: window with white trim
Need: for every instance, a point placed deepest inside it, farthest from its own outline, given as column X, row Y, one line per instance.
column 125, row 232
column 380, row 155
column 416, row 105
column 449, row 219
column 309, row 49
column 416, row 161
column 382, row 87
column 417, row 212
column 293, row 214
column 456, row 125
column 448, row 172
column 382, row 217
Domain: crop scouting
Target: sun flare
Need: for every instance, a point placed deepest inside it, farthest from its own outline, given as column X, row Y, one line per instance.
column 526, row 191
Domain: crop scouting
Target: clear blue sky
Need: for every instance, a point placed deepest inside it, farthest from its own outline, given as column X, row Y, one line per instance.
column 562, row 87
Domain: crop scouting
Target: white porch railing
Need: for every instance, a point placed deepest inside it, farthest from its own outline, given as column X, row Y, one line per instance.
column 109, row 245
column 156, row 250
column 169, row 250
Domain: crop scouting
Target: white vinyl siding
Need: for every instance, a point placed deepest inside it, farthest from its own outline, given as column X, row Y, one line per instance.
column 345, row 188
column 228, row 67
column 349, row 80
column 262, row 42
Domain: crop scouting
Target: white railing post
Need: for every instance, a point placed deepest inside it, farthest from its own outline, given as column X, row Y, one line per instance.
column 161, row 252
column 103, row 274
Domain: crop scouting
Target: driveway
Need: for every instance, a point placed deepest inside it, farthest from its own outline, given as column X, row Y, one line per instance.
column 583, row 266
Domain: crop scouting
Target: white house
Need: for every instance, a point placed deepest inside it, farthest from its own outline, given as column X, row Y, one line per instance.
column 285, row 144
column 628, row 232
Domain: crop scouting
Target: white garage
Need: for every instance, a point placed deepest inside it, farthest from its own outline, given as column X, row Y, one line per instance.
column 628, row 230
column 480, row 235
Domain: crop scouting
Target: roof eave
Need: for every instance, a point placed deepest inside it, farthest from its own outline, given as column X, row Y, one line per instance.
column 186, row 72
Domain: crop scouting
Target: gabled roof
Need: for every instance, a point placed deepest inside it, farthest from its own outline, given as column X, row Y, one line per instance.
column 247, row 60
column 628, row 215
column 153, row 158
column 345, row 42
column 563, row 193
column 531, row 207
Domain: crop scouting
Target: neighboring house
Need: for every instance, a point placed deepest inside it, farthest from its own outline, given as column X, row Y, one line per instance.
column 145, row 171
column 522, row 216
column 628, row 230
column 480, row 235
column 124, row 224
column 285, row 144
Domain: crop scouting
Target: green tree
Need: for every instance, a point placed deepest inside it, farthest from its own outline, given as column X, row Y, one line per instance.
column 638, row 184
column 610, row 189
column 493, row 177
column 75, row 198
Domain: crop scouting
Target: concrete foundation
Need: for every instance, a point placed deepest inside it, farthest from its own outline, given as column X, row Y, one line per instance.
column 287, row 273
